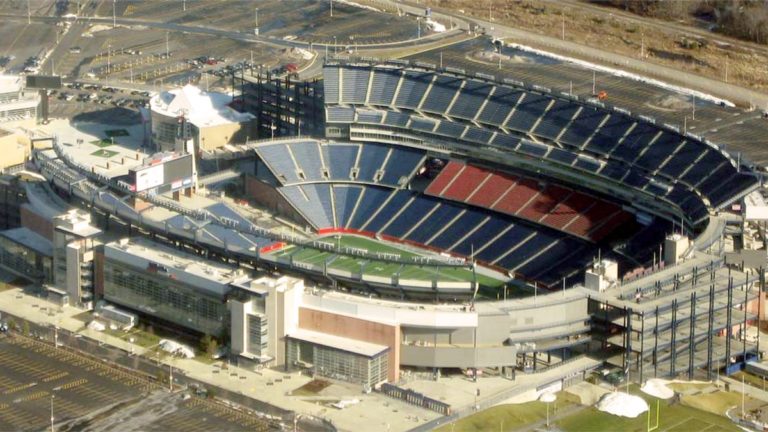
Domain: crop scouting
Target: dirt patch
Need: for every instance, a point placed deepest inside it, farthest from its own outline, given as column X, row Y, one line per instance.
column 312, row 388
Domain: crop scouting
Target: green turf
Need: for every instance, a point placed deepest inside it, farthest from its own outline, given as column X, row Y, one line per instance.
column 672, row 418
column 116, row 133
column 353, row 264
column 106, row 154
column 102, row 143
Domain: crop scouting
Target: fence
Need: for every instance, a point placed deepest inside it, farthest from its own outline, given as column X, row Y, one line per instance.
column 415, row 398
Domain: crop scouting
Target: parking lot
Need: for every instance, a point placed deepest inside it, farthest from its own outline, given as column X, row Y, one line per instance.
column 92, row 393
column 34, row 374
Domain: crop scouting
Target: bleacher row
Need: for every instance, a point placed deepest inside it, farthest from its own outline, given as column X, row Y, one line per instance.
column 503, row 111
column 312, row 160
column 613, row 169
column 491, row 237
column 555, row 206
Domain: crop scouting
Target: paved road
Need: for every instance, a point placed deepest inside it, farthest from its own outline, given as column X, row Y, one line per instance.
column 721, row 89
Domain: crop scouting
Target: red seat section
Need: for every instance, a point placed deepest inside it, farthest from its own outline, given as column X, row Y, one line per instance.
column 555, row 206
column 564, row 214
column 492, row 190
column 544, row 203
column 518, row 196
column 469, row 179
column 444, row 178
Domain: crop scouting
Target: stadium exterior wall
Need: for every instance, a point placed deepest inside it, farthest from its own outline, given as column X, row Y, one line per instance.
column 358, row 329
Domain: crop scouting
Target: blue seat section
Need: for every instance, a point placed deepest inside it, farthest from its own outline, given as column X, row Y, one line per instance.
column 636, row 180
column 683, row 159
column 442, row 216
column 279, row 161
column 402, row 163
column 587, row 164
column 693, row 206
column 355, row 85
column 370, row 116
column 506, row 141
column 480, row 136
column 655, row 189
column 418, row 209
column 583, row 126
column 314, row 203
column 442, row 93
column 739, row 182
column 388, row 211
column 481, row 237
column 233, row 238
column 659, row 151
column 422, row 124
column 372, row 158
column 223, row 210
column 339, row 114
column 561, row 249
column 372, row 199
column 555, row 119
column 705, row 166
column 307, row 156
column 331, row 84
column 413, row 89
column 344, row 200
column 383, row 87
column 470, row 99
column 716, row 178
column 607, row 136
column 396, row 119
column 528, row 112
column 499, row 105
column 340, row 159
column 613, row 171
column 533, row 246
column 450, row 129
column 501, row 245
column 533, row 149
column 458, row 229
column 635, row 142
column 561, row 156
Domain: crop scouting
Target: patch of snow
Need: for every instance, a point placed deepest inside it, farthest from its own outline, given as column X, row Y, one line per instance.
column 625, row 74
column 657, row 388
column 305, row 54
column 435, row 26
column 622, row 404
column 176, row 348
column 357, row 5
column 96, row 326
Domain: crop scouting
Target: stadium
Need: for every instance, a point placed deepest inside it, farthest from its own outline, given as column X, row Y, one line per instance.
column 450, row 221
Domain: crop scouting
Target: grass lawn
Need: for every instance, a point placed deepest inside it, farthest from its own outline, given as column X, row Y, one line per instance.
column 509, row 417
column 102, row 143
column 106, row 154
column 749, row 379
column 695, row 413
column 685, row 416
column 140, row 337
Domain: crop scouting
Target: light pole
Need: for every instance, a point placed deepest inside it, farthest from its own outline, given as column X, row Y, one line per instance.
column 548, row 398
column 52, row 396
column 331, row 1
column 114, row 17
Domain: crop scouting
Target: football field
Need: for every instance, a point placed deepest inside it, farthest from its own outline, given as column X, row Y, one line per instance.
column 356, row 264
